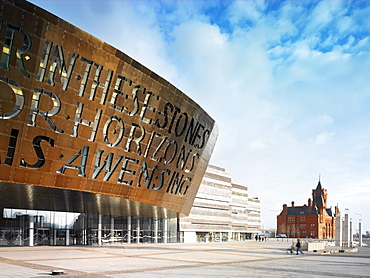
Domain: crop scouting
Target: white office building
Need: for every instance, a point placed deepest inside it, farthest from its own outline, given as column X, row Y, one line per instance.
column 222, row 211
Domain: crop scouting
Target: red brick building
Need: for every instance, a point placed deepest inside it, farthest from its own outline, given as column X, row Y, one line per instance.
column 314, row 220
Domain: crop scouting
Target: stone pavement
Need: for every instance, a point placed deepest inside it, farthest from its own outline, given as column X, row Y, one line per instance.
column 223, row 259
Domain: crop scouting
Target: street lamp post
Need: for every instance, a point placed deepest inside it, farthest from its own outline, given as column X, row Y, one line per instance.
column 275, row 210
column 360, row 228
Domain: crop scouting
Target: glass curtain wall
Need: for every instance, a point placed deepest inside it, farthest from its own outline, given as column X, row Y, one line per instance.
column 33, row 228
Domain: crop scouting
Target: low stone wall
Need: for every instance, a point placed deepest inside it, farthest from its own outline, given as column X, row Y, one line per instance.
column 311, row 246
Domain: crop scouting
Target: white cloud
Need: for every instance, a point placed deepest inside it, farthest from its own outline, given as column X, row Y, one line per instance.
column 325, row 119
column 346, row 24
column 256, row 145
column 324, row 137
column 241, row 11
column 324, row 14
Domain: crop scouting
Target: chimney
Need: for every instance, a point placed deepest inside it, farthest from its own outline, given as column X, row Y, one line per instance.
column 292, row 203
column 285, row 210
column 309, row 204
column 336, row 211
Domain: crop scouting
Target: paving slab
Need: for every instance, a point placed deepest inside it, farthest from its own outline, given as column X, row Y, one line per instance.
column 222, row 259
column 101, row 265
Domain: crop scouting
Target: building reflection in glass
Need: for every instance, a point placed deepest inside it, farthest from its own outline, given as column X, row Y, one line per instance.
column 34, row 228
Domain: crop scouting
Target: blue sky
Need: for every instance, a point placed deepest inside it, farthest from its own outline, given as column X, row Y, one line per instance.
column 288, row 83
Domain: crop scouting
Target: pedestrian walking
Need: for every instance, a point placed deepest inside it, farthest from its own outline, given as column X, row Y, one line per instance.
column 298, row 245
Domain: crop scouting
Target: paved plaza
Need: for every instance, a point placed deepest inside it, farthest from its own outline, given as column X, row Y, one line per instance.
column 223, row 259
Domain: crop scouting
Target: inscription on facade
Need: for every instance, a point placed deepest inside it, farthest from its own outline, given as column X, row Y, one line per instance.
column 134, row 135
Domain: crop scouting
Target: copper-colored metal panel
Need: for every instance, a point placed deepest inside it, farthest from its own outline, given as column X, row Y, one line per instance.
column 78, row 115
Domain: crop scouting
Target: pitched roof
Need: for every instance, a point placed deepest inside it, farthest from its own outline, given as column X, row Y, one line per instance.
column 329, row 212
column 302, row 210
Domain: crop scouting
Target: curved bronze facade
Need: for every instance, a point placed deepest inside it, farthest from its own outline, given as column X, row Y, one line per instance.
column 83, row 123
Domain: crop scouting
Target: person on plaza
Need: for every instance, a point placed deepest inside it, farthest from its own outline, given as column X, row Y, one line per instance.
column 298, row 245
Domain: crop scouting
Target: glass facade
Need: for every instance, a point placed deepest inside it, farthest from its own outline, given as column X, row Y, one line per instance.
column 34, row 228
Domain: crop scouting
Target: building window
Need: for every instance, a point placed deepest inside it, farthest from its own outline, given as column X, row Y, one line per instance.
column 303, row 219
column 291, row 219
column 302, row 226
column 312, row 226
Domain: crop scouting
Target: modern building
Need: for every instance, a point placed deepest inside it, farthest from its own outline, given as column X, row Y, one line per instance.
column 314, row 220
column 222, row 211
column 94, row 146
